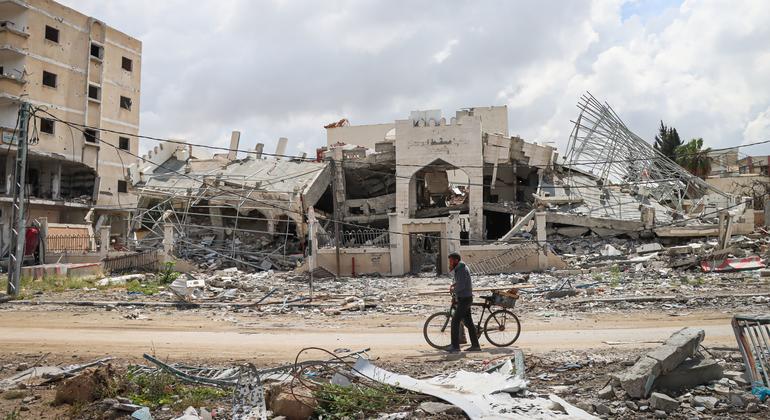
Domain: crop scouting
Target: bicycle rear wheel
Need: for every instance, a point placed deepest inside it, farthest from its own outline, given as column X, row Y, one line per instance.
column 502, row 328
column 437, row 330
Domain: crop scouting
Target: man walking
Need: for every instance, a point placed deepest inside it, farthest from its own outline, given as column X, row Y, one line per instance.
column 463, row 291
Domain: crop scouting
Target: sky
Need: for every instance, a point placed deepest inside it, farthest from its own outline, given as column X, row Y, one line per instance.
column 285, row 68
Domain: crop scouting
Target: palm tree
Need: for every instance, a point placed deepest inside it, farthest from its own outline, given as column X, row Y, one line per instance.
column 693, row 157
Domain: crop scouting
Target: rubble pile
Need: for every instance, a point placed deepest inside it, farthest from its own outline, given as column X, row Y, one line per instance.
column 706, row 383
column 594, row 251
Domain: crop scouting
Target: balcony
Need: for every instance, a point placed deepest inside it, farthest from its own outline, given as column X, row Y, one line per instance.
column 11, row 85
column 12, row 34
column 12, row 7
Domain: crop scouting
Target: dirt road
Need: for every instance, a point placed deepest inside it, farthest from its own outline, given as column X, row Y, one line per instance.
column 195, row 336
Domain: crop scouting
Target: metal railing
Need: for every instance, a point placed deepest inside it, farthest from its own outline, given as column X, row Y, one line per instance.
column 148, row 260
column 70, row 243
column 359, row 238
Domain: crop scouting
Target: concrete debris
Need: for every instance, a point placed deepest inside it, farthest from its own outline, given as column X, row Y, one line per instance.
column 638, row 380
column 297, row 403
column 663, row 402
column 689, row 374
column 479, row 395
column 85, row 387
column 142, row 414
column 114, row 281
column 44, row 374
column 436, row 408
column 607, row 393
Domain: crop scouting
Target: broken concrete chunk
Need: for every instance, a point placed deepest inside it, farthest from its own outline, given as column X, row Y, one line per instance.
column 603, row 409
column 436, row 408
column 646, row 248
column 663, row 402
column 638, row 380
column 689, row 374
column 607, row 393
column 702, row 401
column 610, row 251
column 114, row 281
column 295, row 404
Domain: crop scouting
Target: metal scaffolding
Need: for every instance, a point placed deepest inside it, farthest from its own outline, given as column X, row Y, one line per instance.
column 603, row 147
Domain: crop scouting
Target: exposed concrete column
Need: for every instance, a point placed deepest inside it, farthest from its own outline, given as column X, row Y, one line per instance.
column 168, row 238
column 258, row 150
column 56, row 182
column 215, row 214
column 542, row 258
column 396, row 245
column 476, row 204
column 453, row 229
column 104, row 241
column 280, row 148
column 767, row 212
column 648, row 217
column 235, row 139
column 339, row 182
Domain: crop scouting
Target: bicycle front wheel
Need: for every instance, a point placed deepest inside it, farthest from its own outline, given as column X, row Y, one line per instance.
column 437, row 330
column 502, row 328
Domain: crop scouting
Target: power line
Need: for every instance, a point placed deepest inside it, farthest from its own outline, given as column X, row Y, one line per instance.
column 301, row 158
column 342, row 222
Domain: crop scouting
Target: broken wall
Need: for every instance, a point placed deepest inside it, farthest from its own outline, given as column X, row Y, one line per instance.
column 456, row 143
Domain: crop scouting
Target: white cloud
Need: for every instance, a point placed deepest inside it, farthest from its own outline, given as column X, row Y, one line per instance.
column 445, row 52
column 286, row 68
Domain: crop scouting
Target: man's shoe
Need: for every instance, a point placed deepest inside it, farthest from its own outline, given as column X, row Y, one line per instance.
column 473, row 349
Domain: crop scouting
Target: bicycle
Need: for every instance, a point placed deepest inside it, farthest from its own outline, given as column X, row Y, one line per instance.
column 501, row 327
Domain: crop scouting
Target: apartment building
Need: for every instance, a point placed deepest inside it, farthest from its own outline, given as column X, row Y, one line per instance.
column 82, row 71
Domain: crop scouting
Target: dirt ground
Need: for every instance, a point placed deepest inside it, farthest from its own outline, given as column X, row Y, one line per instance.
column 570, row 345
column 213, row 336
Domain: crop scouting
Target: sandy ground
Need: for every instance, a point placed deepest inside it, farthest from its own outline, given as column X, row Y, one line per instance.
column 205, row 335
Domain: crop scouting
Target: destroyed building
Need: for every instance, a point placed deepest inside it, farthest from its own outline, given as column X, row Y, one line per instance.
column 249, row 210
column 398, row 198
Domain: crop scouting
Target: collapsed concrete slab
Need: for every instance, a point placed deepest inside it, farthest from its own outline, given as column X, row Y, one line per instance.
column 639, row 379
column 691, row 373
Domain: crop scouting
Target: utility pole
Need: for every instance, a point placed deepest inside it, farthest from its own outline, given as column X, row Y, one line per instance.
column 18, row 227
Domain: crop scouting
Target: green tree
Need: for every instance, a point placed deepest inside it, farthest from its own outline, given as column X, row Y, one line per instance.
column 693, row 157
column 667, row 140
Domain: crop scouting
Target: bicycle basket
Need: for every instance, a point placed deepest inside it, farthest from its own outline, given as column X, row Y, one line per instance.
column 506, row 299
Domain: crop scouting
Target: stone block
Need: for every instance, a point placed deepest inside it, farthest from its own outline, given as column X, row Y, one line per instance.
column 638, row 379
column 663, row 402
column 677, row 348
column 607, row 393
column 689, row 374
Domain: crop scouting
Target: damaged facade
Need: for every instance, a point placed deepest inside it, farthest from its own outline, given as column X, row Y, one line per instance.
column 80, row 70
column 398, row 198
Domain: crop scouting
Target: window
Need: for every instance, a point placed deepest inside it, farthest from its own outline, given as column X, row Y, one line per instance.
column 51, row 34
column 122, row 186
column 97, row 51
column 46, row 125
column 49, row 79
column 125, row 103
column 94, row 92
column 124, row 143
column 91, row 135
column 127, row 65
